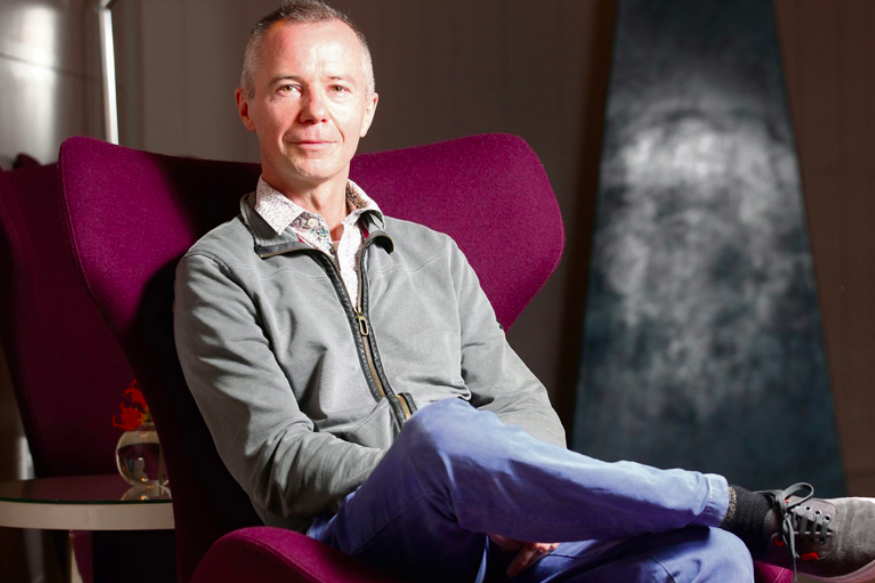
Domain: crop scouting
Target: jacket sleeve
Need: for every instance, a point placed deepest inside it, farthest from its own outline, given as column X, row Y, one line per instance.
column 498, row 379
column 265, row 441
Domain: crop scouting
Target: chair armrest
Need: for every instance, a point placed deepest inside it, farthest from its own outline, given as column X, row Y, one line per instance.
column 280, row 556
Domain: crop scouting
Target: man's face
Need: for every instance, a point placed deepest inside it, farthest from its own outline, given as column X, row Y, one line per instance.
column 311, row 104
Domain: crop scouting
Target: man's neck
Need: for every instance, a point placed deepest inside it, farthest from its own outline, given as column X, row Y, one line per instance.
column 327, row 199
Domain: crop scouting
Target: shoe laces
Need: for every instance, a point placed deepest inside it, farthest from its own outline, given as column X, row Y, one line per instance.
column 800, row 521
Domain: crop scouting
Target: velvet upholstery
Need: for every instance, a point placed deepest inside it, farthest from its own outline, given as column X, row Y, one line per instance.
column 67, row 371
column 66, row 368
column 280, row 556
column 132, row 214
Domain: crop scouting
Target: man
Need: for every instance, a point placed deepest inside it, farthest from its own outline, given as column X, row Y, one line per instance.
column 435, row 455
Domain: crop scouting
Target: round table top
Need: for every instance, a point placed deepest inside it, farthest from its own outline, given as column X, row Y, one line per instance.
column 104, row 502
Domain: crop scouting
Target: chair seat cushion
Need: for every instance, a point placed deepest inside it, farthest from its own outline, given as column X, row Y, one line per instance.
column 283, row 556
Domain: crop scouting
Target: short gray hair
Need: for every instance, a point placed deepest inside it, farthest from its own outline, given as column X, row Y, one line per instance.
column 298, row 12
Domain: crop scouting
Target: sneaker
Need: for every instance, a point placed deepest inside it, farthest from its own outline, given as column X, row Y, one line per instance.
column 831, row 540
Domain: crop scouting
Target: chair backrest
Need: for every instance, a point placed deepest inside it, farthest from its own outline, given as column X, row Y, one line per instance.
column 66, row 367
column 133, row 214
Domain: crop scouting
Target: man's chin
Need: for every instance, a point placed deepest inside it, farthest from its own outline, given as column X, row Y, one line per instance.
column 311, row 175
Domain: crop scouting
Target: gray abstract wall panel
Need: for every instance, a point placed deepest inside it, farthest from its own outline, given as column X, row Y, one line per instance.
column 702, row 342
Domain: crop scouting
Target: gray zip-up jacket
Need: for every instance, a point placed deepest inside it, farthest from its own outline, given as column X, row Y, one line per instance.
column 303, row 390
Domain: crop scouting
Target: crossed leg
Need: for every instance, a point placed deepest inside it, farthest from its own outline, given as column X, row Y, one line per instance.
column 456, row 474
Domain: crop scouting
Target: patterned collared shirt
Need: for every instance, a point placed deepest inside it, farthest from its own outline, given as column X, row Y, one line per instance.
column 311, row 228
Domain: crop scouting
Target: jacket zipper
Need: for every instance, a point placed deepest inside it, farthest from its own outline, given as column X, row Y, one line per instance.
column 399, row 403
column 377, row 381
column 364, row 330
column 406, row 404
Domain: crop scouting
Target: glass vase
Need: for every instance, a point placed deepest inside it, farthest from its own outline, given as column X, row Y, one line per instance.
column 139, row 457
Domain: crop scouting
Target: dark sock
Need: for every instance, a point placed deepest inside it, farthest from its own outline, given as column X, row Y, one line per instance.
column 746, row 518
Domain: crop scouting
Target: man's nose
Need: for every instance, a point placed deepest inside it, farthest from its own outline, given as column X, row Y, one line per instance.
column 314, row 110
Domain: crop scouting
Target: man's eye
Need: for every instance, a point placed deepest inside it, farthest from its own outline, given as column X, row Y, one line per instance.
column 287, row 88
column 340, row 89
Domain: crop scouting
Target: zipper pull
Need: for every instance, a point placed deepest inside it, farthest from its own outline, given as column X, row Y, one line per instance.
column 363, row 323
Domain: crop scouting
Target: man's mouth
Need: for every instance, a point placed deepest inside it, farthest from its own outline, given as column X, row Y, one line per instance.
column 312, row 144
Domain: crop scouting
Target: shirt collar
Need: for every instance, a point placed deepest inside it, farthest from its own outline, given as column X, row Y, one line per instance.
column 279, row 211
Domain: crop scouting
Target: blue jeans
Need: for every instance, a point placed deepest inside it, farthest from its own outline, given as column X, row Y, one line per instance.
column 456, row 474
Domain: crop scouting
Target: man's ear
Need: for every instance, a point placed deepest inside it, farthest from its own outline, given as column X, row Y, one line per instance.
column 370, row 110
column 243, row 109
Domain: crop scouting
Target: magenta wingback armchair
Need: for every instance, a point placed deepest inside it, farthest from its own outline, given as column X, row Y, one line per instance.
column 131, row 216
column 67, row 370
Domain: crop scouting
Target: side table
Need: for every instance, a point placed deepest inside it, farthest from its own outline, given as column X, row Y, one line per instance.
column 83, row 503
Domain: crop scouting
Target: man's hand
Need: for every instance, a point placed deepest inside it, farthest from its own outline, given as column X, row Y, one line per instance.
column 527, row 554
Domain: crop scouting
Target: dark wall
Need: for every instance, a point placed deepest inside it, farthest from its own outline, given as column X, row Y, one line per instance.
column 829, row 56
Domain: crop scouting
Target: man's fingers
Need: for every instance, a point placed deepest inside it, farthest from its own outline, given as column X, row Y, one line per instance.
column 527, row 554
column 524, row 558
column 505, row 544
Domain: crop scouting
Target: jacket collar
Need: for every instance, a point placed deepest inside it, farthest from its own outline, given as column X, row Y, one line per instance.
column 280, row 212
column 268, row 242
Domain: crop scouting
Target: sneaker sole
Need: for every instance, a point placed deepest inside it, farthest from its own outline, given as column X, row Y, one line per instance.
column 862, row 574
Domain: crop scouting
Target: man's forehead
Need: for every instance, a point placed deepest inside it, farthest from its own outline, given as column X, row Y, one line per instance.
column 283, row 37
column 330, row 49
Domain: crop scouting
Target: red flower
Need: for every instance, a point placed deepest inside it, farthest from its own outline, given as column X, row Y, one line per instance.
column 134, row 410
